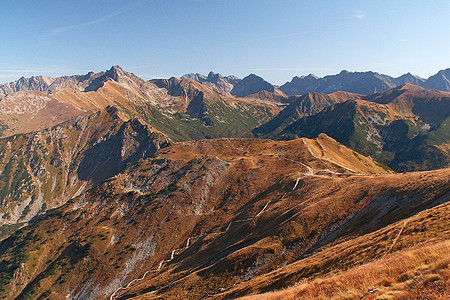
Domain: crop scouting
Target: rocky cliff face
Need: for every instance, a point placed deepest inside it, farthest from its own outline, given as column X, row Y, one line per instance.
column 43, row 169
column 409, row 78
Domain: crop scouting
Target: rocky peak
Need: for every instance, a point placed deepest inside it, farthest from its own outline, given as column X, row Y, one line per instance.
column 215, row 81
column 115, row 73
column 195, row 76
column 214, row 77
column 408, row 78
column 251, row 84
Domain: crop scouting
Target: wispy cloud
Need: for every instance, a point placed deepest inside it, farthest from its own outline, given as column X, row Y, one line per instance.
column 59, row 30
column 359, row 14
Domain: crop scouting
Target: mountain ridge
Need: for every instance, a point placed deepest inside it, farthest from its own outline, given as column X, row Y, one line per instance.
column 356, row 82
column 362, row 82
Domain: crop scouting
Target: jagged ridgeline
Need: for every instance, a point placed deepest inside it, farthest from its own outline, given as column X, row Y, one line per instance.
column 183, row 109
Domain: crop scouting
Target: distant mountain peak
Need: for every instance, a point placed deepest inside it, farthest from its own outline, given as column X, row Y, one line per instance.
column 115, row 72
column 251, row 84
column 366, row 82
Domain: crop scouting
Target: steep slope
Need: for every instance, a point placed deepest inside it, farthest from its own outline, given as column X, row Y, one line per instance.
column 405, row 128
column 393, row 262
column 42, row 170
column 409, row 78
column 277, row 97
column 301, row 85
column 27, row 111
column 202, row 216
column 300, row 106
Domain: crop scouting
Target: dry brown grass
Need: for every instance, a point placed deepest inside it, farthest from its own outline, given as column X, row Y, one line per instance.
column 417, row 273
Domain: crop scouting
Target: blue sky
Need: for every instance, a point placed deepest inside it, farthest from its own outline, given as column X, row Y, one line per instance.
column 275, row 39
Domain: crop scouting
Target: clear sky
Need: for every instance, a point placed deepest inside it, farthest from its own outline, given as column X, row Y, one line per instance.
column 276, row 39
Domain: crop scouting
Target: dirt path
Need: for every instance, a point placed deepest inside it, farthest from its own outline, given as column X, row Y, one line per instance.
column 310, row 172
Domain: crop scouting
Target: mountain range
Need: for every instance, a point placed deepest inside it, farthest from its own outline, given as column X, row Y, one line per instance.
column 362, row 82
column 215, row 187
column 354, row 82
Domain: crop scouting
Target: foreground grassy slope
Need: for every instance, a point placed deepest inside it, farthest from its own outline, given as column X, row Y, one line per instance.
column 417, row 272
column 186, row 189
column 308, row 231
column 202, row 216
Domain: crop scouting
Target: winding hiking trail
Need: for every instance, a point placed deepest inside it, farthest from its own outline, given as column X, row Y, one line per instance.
column 397, row 237
column 323, row 158
column 310, row 172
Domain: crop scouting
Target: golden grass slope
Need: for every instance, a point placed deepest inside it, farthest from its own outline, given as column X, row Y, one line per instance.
column 412, row 263
column 320, row 228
